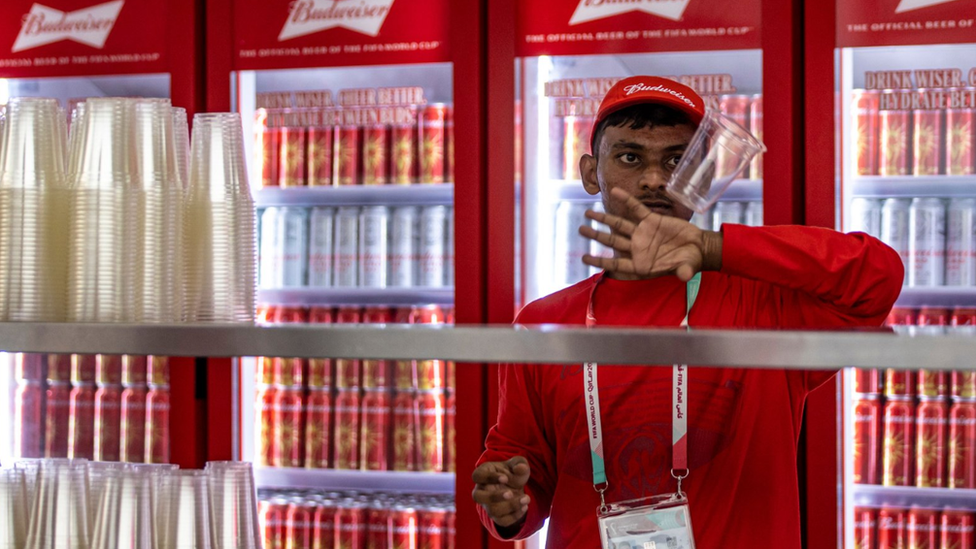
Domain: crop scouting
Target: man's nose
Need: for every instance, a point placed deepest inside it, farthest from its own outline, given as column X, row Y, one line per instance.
column 653, row 179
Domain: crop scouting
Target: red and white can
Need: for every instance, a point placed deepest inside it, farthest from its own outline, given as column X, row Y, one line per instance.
column 406, row 422
column 57, row 414
column 157, row 371
column 960, row 141
column 449, row 141
column 319, row 156
column 29, row 366
column 291, row 159
column 374, row 224
column 433, row 118
column 318, row 429
column 132, row 446
column 350, row 525
column 865, row 106
column 957, row 529
column 347, row 426
column 376, row 155
column 450, row 425
column 83, row 368
column 451, row 527
column 431, row 454
column 378, row 525
column 272, row 516
column 930, row 443
column 927, row 242
column 927, row 134
column 81, row 422
column 867, row 435
column 375, row 434
column 320, row 247
column 932, row 384
column 405, row 526
column 108, row 423
column 29, row 416
column 899, row 446
column 269, row 251
column 433, row 238
column 576, row 143
column 933, row 316
column 961, row 242
column 289, row 427
column 865, row 527
column 157, row 425
column 108, row 369
column 404, row 247
column 134, row 368
column 895, row 141
column 268, row 156
column 867, row 381
column 963, row 384
column 346, row 247
column 899, row 383
column 962, row 444
column 58, row 368
column 404, row 154
column 923, row 528
column 347, row 155
column 292, row 248
column 264, row 443
column 900, row 316
column 324, row 531
column 892, row 528
column 432, row 533
column 299, row 524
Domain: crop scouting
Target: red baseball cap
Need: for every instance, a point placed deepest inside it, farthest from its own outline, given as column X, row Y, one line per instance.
column 636, row 90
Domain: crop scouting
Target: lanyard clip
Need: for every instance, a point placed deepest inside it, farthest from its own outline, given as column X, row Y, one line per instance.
column 679, row 475
column 600, row 489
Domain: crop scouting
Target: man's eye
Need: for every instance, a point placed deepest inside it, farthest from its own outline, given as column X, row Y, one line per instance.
column 672, row 162
column 629, row 158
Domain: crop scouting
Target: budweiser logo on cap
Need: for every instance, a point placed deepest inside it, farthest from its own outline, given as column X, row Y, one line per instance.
column 43, row 25
column 909, row 5
column 591, row 10
column 311, row 16
column 635, row 88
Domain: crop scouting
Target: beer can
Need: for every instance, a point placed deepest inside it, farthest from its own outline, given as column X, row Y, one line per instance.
column 735, row 107
column 378, row 525
column 346, row 444
column 449, row 140
column 265, row 425
column 157, row 425
column 432, row 143
column 374, row 223
column 58, row 368
column 350, row 524
column 922, row 526
column 83, row 369
column 962, row 444
column 347, row 155
column 756, row 129
column 930, row 443
column 108, row 423
column 404, row 154
column 299, row 524
column 892, row 528
column 268, row 156
column 932, row 384
column 29, row 414
column 134, row 369
column 346, row 247
column 899, row 383
column 406, row 420
column 900, row 316
column 569, row 246
column 320, row 369
column 927, row 242
column 866, row 216
column 960, row 141
column 451, row 528
column 293, row 247
column 895, row 141
column 895, row 228
column 320, row 247
column 865, row 527
column 318, row 429
column 933, row 316
column 376, row 155
column 957, row 529
column 963, row 384
column 927, row 134
column 57, row 415
column 324, row 532
column 865, row 106
column 108, row 369
column 269, row 264
column 576, row 143
column 961, row 242
column 867, row 434
column 429, row 374
column 291, row 158
column 404, row 247
column 450, row 425
column 431, row 450
column 433, row 227
column 899, row 443
column 29, row 366
column 726, row 212
column 867, row 381
column 375, row 428
column 157, row 371
column 319, row 156
column 81, row 422
column 272, row 515
column 289, row 372
column 289, row 427
column 432, row 531
column 132, row 434
column 449, row 250
column 405, row 525
column 753, row 215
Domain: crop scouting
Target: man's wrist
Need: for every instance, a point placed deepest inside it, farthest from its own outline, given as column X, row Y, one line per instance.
column 711, row 248
column 509, row 532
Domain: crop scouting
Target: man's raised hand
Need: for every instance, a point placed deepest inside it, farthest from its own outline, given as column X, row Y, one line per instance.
column 500, row 489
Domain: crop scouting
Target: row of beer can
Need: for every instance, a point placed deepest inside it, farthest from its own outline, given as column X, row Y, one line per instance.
column 912, row 142
column 936, row 239
column 348, row 247
column 101, row 407
column 892, row 527
column 375, row 154
column 740, row 213
column 315, row 519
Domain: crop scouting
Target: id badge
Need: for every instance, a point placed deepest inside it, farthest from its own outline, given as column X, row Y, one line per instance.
column 659, row 522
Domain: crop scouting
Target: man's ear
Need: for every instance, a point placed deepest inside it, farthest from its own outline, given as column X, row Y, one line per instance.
column 587, row 166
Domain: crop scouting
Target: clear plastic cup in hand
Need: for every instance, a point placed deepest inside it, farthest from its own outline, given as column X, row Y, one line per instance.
column 13, row 508
column 718, row 152
column 59, row 519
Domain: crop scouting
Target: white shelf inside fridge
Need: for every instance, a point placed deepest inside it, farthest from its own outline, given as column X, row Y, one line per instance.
column 357, row 195
column 909, row 186
column 741, row 190
column 937, row 296
column 868, row 495
column 356, row 296
column 287, row 477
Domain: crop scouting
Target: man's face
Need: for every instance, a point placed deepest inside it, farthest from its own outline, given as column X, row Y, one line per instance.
column 639, row 162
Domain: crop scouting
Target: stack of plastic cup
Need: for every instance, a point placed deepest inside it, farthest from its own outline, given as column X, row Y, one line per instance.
column 30, row 467
column 13, row 509
column 182, row 133
column 60, row 516
column 124, row 519
column 32, row 202
column 233, row 506
column 99, row 473
column 75, row 130
column 102, row 186
column 219, row 224
column 183, row 512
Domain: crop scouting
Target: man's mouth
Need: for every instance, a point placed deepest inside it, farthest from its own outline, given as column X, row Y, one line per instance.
column 657, row 205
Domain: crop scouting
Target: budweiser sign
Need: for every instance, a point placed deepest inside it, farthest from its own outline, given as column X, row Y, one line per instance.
column 909, row 5
column 311, row 16
column 90, row 26
column 591, row 10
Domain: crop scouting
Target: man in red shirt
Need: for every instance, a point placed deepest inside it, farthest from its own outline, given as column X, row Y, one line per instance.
column 742, row 424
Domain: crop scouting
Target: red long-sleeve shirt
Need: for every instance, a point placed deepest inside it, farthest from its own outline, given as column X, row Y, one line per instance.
column 743, row 424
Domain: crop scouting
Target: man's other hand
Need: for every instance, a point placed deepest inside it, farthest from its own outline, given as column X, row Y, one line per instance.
column 500, row 489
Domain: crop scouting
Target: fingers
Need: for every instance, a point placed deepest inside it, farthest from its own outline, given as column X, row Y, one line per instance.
column 637, row 210
column 612, row 240
column 612, row 264
column 618, row 224
column 492, row 472
column 489, row 494
column 685, row 272
column 510, row 518
column 519, row 468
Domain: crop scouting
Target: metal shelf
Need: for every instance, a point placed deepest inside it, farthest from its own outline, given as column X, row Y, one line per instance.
column 741, row 190
column 357, row 195
column 908, row 186
column 866, row 495
column 937, row 296
column 286, row 477
column 357, row 296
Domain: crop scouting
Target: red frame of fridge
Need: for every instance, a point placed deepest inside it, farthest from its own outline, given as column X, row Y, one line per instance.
column 129, row 38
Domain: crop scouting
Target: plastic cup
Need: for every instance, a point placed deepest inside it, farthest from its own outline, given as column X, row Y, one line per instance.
column 233, row 506
column 183, row 516
column 124, row 517
column 718, row 152
column 60, row 516
column 13, row 508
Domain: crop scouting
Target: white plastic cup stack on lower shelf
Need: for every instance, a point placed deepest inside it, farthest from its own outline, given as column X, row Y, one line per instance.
column 181, row 133
column 124, row 512
column 59, row 519
column 219, row 224
column 33, row 238
column 233, row 505
column 183, row 511
column 13, row 508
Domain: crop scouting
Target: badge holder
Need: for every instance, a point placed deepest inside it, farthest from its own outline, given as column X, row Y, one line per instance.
column 659, row 522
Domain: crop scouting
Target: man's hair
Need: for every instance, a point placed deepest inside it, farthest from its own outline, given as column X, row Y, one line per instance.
column 640, row 116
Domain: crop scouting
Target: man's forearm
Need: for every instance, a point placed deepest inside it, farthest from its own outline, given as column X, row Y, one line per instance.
column 711, row 247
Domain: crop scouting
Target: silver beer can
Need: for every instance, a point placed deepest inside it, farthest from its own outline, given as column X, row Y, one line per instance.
column 726, row 212
column 961, row 242
column 293, row 245
column 374, row 224
column 927, row 242
column 346, row 247
column 570, row 246
column 894, row 227
column 433, row 237
column 268, row 249
column 449, row 250
column 866, row 216
column 404, row 247
column 320, row 249
column 754, row 214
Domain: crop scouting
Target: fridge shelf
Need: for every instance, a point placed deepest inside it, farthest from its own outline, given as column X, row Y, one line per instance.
column 357, row 195
column 937, row 296
column 908, row 186
column 288, row 477
column 866, row 495
column 357, row 296
column 741, row 190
